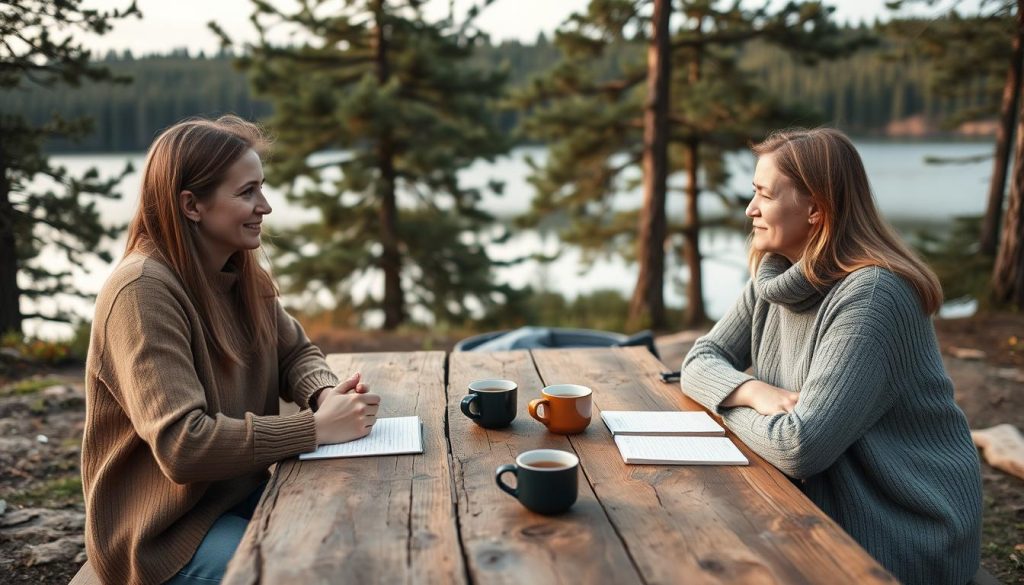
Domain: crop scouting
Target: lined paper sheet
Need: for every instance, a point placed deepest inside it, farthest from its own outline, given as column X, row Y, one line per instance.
column 389, row 436
column 679, row 450
column 645, row 422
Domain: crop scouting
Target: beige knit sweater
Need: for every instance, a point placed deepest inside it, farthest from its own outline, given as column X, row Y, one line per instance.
column 173, row 440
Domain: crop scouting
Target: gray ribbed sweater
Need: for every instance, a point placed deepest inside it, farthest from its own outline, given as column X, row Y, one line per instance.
column 875, row 437
column 172, row 439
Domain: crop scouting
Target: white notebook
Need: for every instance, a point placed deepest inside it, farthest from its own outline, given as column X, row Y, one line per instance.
column 638, row 449
column 389, row 436
column 639, row 422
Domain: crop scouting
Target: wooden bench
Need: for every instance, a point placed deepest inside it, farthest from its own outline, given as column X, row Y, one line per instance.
column 86, row 576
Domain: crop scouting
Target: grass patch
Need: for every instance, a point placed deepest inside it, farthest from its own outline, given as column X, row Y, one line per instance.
column 30, row 386
column 56, row 493
column 1002, row 530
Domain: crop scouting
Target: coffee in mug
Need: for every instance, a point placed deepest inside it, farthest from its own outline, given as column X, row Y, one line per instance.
column 547, row 464
column 491, row 404
column 546, row 480
column 564, row 408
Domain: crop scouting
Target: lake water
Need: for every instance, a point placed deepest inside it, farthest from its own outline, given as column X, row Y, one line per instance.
column 906, row 188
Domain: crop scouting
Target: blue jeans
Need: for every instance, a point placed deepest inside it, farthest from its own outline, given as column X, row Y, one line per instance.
column 211, row 559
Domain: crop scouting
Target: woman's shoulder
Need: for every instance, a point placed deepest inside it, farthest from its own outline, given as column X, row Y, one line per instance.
column 137, row 271
column 879, row 288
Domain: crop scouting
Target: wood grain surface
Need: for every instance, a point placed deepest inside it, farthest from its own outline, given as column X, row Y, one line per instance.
column 363, row 520
column 699, row 524
column 440, row 518
column 503, row 541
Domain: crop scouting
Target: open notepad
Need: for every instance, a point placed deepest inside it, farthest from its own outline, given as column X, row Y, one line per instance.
column 639, row 450
column 671, row 438
column 389, row 436
column 640, row 422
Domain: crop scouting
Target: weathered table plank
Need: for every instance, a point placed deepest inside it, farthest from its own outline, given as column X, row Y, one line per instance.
column 503, row 541
column 699, row 524
column 363, row 520
column 439, row 518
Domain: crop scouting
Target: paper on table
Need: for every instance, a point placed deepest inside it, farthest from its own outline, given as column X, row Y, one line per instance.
column 679, row 450
column 389, row 436
column 640, row 422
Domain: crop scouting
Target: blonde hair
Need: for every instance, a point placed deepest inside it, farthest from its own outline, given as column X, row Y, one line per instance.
column 824, row 165
column 195, row 155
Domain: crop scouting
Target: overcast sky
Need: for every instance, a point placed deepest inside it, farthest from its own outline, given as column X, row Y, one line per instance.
column 182, row 23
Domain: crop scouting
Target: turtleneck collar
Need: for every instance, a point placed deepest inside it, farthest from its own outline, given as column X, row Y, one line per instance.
column 782, row 283
column 225, row 279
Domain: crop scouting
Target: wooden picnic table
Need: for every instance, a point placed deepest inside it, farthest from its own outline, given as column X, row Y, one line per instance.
column 439, row 517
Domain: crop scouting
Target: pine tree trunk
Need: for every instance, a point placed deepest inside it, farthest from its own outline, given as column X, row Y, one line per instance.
column 695, row 315
column 391, row 259
column 1008, row 273
column 648, row 303
column 1004, row 137
column 10, row 310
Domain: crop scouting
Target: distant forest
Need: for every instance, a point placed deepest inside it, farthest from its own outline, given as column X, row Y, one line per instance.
column 863, row 94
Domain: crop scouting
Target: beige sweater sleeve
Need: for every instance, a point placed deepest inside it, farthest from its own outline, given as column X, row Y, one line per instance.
column 147, row 364
column 302, row 366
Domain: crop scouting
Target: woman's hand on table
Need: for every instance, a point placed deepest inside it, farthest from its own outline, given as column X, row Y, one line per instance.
column 345, row 412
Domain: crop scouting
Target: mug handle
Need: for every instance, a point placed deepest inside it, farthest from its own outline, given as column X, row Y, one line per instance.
column 507, row 468
column 535, row 404
column 466, row 401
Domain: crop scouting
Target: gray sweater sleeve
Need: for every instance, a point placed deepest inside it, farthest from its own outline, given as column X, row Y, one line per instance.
column 715, row 366
column 847, row 389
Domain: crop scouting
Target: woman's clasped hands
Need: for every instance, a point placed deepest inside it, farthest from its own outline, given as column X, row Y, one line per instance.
column 345, row 412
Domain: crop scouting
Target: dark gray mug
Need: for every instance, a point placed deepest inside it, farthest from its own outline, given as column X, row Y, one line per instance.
column 546, row 480
column 491, row 403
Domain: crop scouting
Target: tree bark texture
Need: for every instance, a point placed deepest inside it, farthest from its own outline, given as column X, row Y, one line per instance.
column 10, row 309
column 648, row 303
column 391, row 257
column 1004, row 137
column 1008, row 272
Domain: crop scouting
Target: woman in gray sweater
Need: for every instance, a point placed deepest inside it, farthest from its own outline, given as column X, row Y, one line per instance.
column 828, row 366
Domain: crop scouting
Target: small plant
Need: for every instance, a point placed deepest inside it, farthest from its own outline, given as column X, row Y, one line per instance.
column 46, row 351
column 53, row 493
column 30, row 386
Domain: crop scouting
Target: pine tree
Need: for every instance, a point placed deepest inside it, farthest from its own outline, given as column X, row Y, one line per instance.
column 968, row 50
column 37, row 48
column 986, row 45
column 683, row 110
column 396, row 94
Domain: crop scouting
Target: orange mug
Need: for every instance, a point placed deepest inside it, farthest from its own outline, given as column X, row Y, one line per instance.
column 564, row 408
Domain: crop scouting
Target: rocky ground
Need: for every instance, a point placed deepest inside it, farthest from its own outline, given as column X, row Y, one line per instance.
column 42, row 412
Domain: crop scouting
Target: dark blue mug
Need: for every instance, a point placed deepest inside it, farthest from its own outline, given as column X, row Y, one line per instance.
column 491, row 403
column 546, row 480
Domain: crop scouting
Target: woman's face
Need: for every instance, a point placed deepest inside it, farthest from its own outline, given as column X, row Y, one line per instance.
column 782, row 215
column 230, row 220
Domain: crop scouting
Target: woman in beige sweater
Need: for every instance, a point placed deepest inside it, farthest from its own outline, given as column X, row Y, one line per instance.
column 190, row 352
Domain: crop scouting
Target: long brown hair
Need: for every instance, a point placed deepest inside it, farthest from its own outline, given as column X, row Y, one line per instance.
column 195, row 155
column 824, row 165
